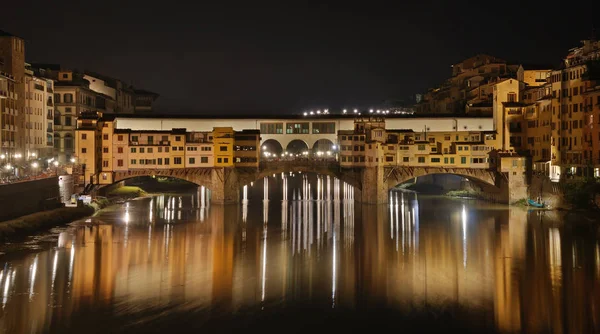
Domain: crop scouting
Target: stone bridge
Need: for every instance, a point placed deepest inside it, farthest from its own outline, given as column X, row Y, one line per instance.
column 372, row 184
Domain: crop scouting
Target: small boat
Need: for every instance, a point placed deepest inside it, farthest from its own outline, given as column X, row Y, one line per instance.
column 534, row 203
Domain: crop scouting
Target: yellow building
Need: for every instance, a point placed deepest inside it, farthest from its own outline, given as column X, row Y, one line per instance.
column 223, row 138
column 370, row 144
column 88, row 147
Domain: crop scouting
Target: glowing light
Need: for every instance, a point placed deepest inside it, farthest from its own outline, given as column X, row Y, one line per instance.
column 34, row 165
column 8, row 167
column 334, row 147
column 2, row 156
column 312, row 113
column 318, row 111
column 345, row 111
column 305, row 113
column 371, row 110
column 73, row 160
column 355, row 111
column 33, row 154
column 56, row 163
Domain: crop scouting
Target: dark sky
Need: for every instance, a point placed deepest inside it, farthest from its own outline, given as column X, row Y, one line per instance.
column 292, row 56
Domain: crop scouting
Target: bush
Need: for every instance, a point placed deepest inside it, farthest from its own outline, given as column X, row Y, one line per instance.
column 582, row 194
column 126, row 192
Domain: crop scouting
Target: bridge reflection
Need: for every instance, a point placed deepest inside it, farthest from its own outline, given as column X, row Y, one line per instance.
column 511, row 269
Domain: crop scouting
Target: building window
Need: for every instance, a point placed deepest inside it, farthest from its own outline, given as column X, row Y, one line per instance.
column 223, row 148
column 405, row 159
column 105, row 150
column 142, row 149
column 463, row 160
column 512, row 97
column 120, row 137
column 167, row 161
column 134, row 139
column 83, row 150
column 150, row 140
column 150, row 150
column 435, row 159
column 296, row 128
column 105, row 136
column 225, row 160
column 105, row 163
column 160, row 161
column 192, row 161
column 68, row 121
column 119, row 150
column 389, row 158
column 219, row 160
column 323, row 127
column 83, row 136
column 133, row 150
column 177, row 138
column 204, row 160
column 68, row 142
column 120, row 162
column 68, row 97
column 133, row 161
column 271, row 128
column 421, row 160
column 177, row 160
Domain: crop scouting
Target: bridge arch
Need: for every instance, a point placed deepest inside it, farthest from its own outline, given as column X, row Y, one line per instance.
column 297, row 146
column 323, row 145
column 198, row 176
column 267, row 169
column 485, row 180
column 271, row 147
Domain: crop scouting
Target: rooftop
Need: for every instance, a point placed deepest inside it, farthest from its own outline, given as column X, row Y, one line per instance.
column 225, row 115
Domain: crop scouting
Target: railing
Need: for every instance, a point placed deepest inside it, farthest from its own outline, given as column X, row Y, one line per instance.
column 303, row 162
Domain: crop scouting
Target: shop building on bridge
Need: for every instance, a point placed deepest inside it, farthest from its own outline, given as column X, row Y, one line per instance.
column 103, row 149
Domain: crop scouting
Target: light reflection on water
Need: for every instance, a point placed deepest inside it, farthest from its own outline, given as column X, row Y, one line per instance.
column 299, row 239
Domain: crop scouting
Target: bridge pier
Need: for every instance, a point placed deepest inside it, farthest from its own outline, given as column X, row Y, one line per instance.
column 225, row 186
column 374, row 188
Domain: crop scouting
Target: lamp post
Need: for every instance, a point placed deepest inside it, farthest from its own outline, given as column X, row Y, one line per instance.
column 34, row 166
column 55, row 163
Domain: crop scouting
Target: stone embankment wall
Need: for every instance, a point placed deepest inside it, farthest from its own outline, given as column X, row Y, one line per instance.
column 23, row 198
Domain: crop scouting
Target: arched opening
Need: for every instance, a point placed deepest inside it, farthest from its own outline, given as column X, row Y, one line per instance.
column 271, row 149
column 324, row 148
column 455, row 185
column 68, row 142
column 296, row 148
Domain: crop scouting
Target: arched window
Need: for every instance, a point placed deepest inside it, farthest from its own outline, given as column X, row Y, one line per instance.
column 68, row 142
column 56, row 141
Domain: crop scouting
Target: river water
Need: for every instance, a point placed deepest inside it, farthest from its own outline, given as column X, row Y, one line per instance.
column 309, row 258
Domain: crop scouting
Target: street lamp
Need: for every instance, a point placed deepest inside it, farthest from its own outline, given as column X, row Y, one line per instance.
column 72, row 160
column 34, row 165
column 2, row 156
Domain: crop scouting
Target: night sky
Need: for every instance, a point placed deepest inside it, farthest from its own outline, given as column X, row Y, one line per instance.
column 293, row 56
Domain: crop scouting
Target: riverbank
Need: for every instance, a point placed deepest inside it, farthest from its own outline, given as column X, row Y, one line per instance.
column 39, row 221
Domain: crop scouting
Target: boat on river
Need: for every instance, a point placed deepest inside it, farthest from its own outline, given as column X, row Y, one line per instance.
column 534, row 203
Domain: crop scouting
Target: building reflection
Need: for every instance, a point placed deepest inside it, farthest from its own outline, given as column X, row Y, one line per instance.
column 308, row 241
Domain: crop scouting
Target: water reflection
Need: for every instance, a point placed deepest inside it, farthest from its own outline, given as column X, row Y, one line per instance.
column 297, row 238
